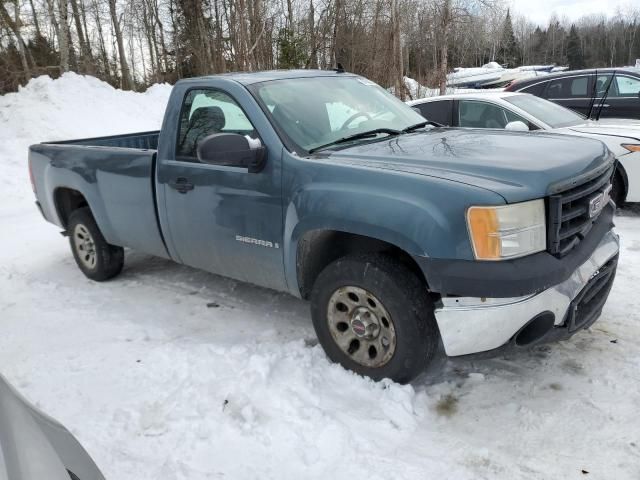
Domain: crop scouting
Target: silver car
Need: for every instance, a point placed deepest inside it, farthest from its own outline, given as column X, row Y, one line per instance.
column 33, row 446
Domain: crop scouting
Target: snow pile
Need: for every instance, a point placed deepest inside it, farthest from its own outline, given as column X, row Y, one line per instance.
column 171, row 373
column 73, row 106
column 417, row 90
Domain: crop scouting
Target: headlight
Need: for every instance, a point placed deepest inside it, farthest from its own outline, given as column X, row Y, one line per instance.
column 507, row 231
column 631, row 147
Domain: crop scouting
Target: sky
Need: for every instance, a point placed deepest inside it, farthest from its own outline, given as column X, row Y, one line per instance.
column 539, row 11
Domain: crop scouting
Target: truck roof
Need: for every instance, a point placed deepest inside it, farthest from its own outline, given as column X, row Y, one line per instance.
column 248, row 78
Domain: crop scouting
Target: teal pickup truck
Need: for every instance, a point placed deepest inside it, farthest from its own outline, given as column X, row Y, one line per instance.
column 404, row 236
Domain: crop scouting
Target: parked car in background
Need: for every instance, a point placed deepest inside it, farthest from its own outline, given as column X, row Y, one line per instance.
column 520, row 111
column 403, row 236
column 595, row 93
column 33, row 446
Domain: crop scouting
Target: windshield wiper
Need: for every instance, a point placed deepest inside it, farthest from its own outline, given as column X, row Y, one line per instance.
column 356, row 136
column 411, row 128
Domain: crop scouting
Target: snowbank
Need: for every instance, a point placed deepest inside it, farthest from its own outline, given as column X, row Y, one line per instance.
column 175, row 374
column 73, row 106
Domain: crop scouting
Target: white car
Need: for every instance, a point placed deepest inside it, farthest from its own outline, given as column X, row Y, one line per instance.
column 522, row 111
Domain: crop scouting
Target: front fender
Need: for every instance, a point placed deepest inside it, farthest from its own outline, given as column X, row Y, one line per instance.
column 423, row 216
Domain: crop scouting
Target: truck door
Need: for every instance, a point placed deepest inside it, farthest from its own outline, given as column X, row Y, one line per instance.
column 219, row 218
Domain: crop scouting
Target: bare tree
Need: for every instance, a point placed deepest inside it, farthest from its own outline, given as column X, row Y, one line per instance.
column 126, row 83
column 14, row 26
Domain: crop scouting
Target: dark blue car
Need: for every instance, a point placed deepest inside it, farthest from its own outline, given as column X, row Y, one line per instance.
column 598, row 93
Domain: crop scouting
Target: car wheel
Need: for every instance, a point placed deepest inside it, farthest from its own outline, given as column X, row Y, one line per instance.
column 97, row 259
column 373, row 316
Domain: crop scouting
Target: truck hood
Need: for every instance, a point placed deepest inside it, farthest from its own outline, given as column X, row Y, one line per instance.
column 33, row 446
column 518, row 166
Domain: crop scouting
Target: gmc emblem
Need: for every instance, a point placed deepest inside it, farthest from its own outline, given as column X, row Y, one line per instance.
column 598, row 202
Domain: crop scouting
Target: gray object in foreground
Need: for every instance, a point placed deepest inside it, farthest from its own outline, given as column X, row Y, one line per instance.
column 33, row 446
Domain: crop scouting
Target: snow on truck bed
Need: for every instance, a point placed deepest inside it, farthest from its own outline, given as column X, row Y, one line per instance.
column 171, row 373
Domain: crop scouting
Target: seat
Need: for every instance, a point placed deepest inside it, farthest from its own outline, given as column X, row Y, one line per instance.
column 204, row 121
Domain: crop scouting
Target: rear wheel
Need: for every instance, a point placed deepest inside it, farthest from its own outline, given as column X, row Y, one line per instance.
column 373, row 316
column 97, row 259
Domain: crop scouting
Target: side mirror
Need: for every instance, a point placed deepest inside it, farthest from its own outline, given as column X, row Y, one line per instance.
column 517, row 126
column 231, row 149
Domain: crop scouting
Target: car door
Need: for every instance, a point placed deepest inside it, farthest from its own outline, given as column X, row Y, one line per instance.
column 221, row 218
column 622, row 99
column 572, row 92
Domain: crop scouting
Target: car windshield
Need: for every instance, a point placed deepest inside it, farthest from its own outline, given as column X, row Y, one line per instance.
column 314, row 112
column 548, row 112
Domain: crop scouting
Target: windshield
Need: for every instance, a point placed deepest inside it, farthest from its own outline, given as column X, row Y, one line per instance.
column 548, row 112
column 317, row 111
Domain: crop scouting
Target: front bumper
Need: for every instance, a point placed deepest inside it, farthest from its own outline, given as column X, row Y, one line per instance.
column 473, row 324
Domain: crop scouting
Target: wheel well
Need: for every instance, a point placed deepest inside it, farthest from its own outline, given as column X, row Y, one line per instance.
column 625, row 180
column 67, row 201
column 318, row 248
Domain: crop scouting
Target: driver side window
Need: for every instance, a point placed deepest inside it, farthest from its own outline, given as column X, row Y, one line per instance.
column 627, row 86
column 475, row 114
column 205, row 112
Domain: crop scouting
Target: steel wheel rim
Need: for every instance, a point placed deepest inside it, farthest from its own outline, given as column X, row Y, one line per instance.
column 85, row 246
column 361, row 326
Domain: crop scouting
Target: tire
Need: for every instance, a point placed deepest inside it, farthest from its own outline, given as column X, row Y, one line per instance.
column 97, row 259
column 617, row 190
column 399, row 308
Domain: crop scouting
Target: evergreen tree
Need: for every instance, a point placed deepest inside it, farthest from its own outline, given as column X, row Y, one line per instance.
column 509, row 52
column 574, row 50
column 292, row 51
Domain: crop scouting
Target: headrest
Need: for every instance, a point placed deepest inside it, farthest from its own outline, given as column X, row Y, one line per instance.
column 210, row 117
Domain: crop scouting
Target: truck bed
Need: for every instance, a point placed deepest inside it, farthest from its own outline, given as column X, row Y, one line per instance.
column 140, row 140
column 116, row 177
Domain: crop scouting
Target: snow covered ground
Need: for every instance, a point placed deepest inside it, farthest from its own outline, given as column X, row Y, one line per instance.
column 171, row 373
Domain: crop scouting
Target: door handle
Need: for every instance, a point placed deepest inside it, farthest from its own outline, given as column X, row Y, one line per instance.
column 181, row 184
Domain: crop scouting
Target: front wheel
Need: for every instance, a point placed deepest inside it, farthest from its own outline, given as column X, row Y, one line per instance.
column 97, row 259
column 373, row 316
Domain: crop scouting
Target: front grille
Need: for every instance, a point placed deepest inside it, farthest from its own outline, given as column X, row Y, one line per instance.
column 587, row 305
column 569, row 214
